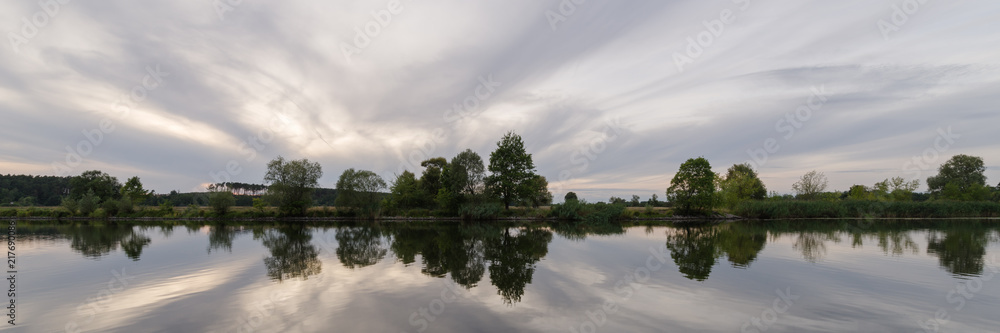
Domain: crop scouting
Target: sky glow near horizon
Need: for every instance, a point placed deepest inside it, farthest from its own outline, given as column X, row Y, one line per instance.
column 610, row 97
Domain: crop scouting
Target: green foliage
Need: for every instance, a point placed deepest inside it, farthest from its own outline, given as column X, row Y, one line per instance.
column 359, row 191
column 111, row 206
column 741, row 183
column 405, row 193
column 603, row 213
column 260, row 205
column 865, row 209
column 964, row 173
column 571, row 196
column 88, row 203
column 539, row 195
column 481, row 212
column 431, row 179
column 192, row 211
column 125, row 207
column 810, row 185
column 101, row 184
column 71, row 205
column 166, row 209
column 692, row 189
column 134, row 191
column 447, row 200
column 220, row 200
column 570, row 210
column 511, row 169
column 466, row 174
column 100, row 213
column 292, row 184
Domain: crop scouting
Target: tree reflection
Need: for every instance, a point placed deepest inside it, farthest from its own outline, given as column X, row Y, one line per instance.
column 359, row 246
column 741, row 243
column 292, row 253
column 513, row 258
column 221, row 238
column 96, row 242
column 961, row 251
column 693, row 249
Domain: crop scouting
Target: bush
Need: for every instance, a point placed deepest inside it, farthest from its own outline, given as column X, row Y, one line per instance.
column 88, row 203
column 111, row 207
column 99, row 213
column 71, row 205
column 166, row 209
column 221, row 201
column 571, row 210
column 486, row 211
column 192, row 211
column 125, row 206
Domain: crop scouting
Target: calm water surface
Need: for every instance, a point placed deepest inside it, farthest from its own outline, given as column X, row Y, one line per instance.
column 784, row 276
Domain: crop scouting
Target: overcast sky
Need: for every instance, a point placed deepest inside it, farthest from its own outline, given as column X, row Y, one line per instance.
column 609, row 96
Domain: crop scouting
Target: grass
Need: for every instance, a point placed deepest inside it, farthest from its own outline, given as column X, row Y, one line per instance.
column 864, row 209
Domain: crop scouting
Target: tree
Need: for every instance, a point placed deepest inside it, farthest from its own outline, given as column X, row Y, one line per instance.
column 431, row 179
column 740, row 184
column 292, row 184
column 540, row 195
column 88, row 203
column 102, row 184
column 965, row 173
column 571, row 196
column 511, row 170
column 635, row 201
column 405, row 191
column 654, row 200
column 692, row 189
column 896, row 189
column 467, row 173
column 220, row 199
column 810, row 185
column 133, row 191
column 360, row 190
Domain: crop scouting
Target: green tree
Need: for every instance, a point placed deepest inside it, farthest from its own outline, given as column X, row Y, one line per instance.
column 571, row 196
column 965, row 173
column 810, row 185
column 741, row 183
column 220, row 199
column 692, row 189
column 102, row 184
column 467, row 174
column 431, row 179
column 511, row 170
column 405, row 192
column 360, row 190
column 654, row 200
column 88, row 203
column 292, row 184
column 540, row 195
column 134, row 191
column 896, row 189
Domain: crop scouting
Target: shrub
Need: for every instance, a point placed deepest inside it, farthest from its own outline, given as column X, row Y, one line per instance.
column 70, row 204
column 111, row 207
column 485, row 211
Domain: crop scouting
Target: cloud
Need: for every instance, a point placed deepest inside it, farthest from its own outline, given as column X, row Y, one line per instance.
column 278, row 71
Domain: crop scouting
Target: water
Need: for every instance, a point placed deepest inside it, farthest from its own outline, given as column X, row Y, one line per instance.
column 784, row 276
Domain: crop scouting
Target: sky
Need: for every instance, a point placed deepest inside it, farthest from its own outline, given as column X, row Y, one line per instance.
column 610, row 97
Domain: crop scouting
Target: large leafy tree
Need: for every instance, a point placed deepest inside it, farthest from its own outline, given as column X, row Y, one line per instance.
column 810, row 185
column 431, row 179
column 692, row 190
column 466, row 173
column 511, row 170
column 102, row 184
column 360, row 190
column 961, row 178
column 292, row 184
column 405, row 191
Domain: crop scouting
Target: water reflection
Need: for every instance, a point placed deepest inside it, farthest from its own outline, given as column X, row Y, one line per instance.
column 465, row 253
column 292, row 253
